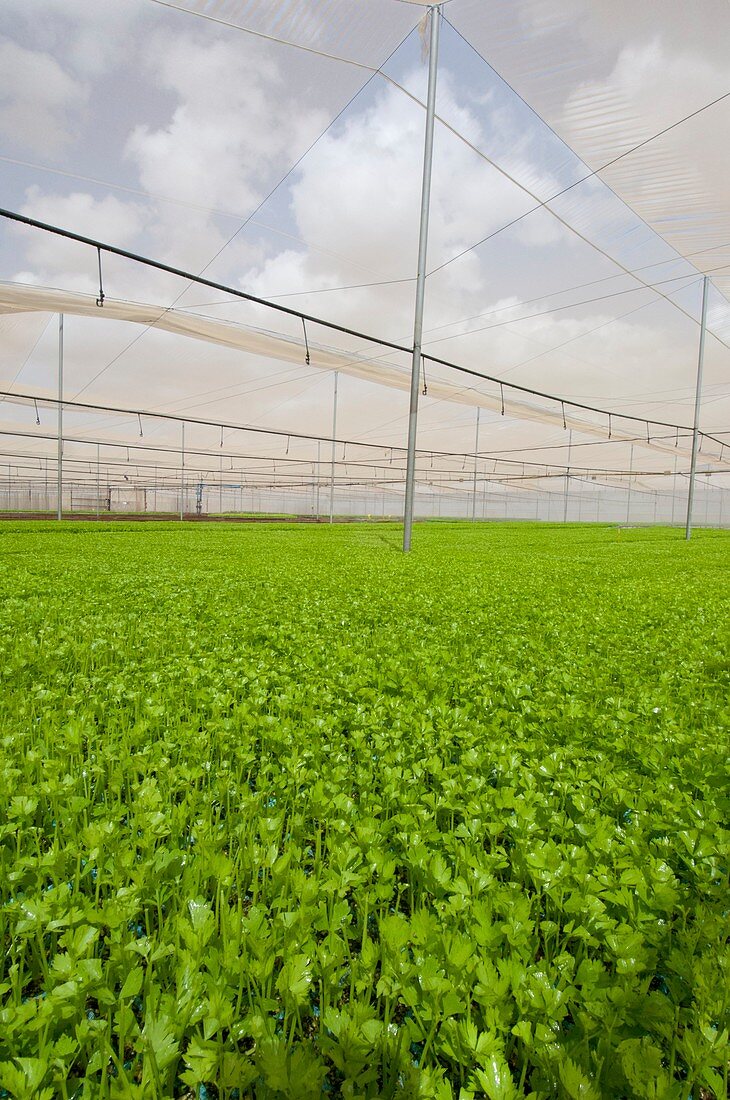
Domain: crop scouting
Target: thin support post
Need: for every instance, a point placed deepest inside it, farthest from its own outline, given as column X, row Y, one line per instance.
column 698, row 403
column 98, row 486
column 476, row 459
column 334, row 435
column 182, row 469
column 674, row 488
column 316, row 503
column 435, row 16
column 59, row 464
column 567, row 477
column 631, row 472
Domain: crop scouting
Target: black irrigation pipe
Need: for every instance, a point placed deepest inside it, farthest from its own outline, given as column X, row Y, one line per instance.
column 553, row 470
column 177, row 418
column 113, row 250
column 551, row 397
column 180, row 273
column 21, row 398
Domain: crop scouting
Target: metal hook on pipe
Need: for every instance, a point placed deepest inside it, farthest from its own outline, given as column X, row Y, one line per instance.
column 100, row 299
column 306, row 342
column 141, row 433
column 37, row 414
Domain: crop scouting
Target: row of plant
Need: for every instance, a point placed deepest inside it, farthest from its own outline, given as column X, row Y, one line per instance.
column 289, row 815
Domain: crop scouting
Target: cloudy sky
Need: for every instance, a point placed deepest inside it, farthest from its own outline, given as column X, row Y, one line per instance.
column 293, row 171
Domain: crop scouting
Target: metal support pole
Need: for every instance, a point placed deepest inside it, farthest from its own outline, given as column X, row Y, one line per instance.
column 59, row 464
column 567, row 477
column 435, row 16
column 698, row 402
column 182, row 469
column 674, row 488
column 631, row 470
column 319, row 444
column 98, row 487
column 334, row 435
column 474, row 486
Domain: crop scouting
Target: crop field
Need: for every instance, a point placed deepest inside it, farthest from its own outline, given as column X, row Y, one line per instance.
column 288, row 814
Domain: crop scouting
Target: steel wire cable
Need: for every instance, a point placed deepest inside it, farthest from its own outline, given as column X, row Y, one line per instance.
column 467, row 142
column 543, row 203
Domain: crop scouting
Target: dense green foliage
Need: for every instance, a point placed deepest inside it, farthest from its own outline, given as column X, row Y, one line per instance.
column 288, row 814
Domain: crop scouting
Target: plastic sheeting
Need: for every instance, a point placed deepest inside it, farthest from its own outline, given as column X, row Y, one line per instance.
column 503, row 398
column 607, row 77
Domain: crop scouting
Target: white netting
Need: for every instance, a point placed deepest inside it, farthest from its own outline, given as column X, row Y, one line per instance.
column 278, row 148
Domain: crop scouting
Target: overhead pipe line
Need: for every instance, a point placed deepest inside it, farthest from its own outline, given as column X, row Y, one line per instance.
column 365, row 465
column 331, row 325
column 436, row 477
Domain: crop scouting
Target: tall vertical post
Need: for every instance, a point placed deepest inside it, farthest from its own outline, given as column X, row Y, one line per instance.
column 476, row 458
column 182, row 469
column 334, row 434
column 698, row 402
column 631, row 472
column 98, row 486
column 567, row 477
column 435, row 17
column 319, row 444
column 674, row 488
column 59, row 464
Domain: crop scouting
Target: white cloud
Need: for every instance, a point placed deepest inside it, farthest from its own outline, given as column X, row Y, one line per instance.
column 92, row 37
column 39, row 99
column 234, row 121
